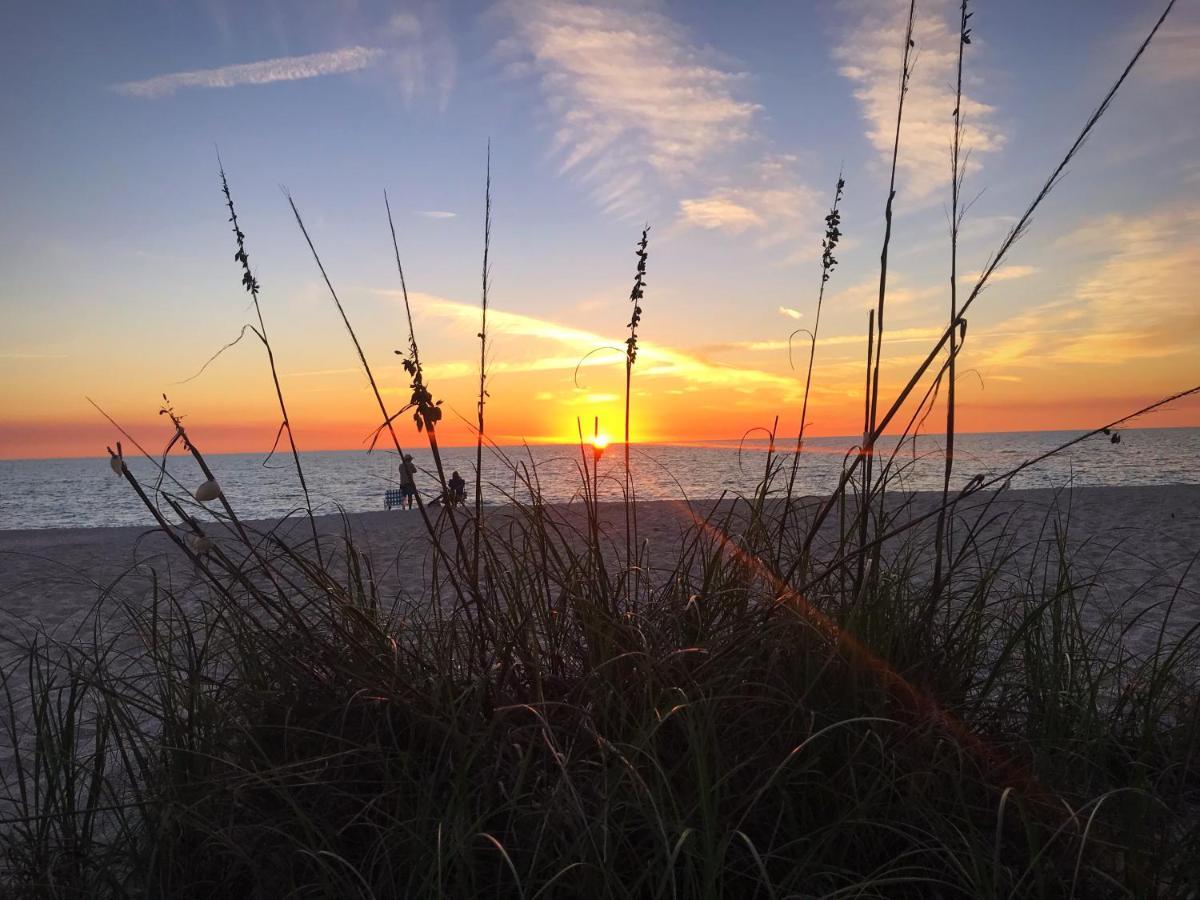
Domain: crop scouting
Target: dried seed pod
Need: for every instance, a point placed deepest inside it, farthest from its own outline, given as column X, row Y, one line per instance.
column 210, row 490
column 116, row 464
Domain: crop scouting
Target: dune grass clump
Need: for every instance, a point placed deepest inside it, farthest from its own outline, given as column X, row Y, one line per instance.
column 783, row 703
column 289, row 734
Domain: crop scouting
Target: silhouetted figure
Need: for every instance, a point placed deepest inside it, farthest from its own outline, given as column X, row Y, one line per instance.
column 458, row 489
column 408, row 484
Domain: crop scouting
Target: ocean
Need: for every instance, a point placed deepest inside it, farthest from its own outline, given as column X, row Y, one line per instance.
column 65, row 493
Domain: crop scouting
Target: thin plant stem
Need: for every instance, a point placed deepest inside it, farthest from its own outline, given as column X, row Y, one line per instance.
column 635, row 297
column 957, row 172
column 828, row 261
column 387, row 419
column 427, row 411
column 251, row 285
column 862, row 506
column 483, row 303
column 868, row 449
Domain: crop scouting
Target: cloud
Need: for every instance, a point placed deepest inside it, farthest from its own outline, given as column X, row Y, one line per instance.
column 720, row 212
column 927, row 334
column 436, row 214
column 286, row 68
column 869, row 55
column 1174, row 56
column 1137, row 301
column 864, row 294
column 790, row 313
column 768, row 199
column 654, row 360
column 630, row 94
column 1006, row 273
column 422, row 58
column 647, row 120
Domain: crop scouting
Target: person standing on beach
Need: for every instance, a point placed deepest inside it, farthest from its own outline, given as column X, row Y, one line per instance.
column 458, row 489
column 408, row 483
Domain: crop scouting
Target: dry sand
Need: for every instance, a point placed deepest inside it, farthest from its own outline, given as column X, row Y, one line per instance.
column 1125, row 542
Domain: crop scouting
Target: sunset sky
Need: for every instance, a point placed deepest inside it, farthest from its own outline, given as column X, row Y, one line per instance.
column 722, row 125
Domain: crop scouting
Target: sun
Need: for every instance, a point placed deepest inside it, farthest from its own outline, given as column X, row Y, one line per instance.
column 600, row 441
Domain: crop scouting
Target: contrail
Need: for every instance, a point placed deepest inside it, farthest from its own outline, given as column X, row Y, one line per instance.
column 285, row 68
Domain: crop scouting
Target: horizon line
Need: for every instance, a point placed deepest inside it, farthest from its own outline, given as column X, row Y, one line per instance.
column 616, row 442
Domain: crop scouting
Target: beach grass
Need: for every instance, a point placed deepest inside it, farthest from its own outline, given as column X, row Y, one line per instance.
column 290, row 734
column 850, row 696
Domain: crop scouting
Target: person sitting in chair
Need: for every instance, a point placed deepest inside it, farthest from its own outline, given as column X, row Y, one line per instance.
column 458, row 489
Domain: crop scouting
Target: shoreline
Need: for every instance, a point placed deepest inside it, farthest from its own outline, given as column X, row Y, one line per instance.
column 1014, row 494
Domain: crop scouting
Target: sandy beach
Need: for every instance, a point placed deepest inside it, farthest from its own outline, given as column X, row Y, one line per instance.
column 1126, row 543
column 1131, row 548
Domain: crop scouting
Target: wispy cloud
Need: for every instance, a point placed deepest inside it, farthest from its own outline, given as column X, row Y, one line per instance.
column 766, row 198
column 869, row 55
column 421, row 58
column 1006, row 273
column 642, row 114
column 1137, row 301
column 790, row 313
column 864, row 294
column 654, row 360
column 436, row 214
column 895, row 336
column 720, row 211
column 285, row 68
column 1174, row 57
column 630, row 94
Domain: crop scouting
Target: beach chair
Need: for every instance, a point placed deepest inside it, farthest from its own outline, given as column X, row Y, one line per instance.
column 391, row 497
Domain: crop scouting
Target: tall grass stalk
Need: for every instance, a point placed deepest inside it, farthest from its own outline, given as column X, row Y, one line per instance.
column 485, row 277
column 957, row 173
column 833, row 234
column 868, row 450
column 251, row 285
column 426, row 411
column 388, row 420
column 636, row 295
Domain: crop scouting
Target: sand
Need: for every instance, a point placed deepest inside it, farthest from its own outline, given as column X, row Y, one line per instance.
column 1125, row 542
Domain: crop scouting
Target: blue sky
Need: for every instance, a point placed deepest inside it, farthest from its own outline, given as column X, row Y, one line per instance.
column 722, row 125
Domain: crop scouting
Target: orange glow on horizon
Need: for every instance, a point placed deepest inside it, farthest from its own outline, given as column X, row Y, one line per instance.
column 667, row 419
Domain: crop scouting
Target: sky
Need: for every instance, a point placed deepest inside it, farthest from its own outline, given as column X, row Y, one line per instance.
column 721, row 126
